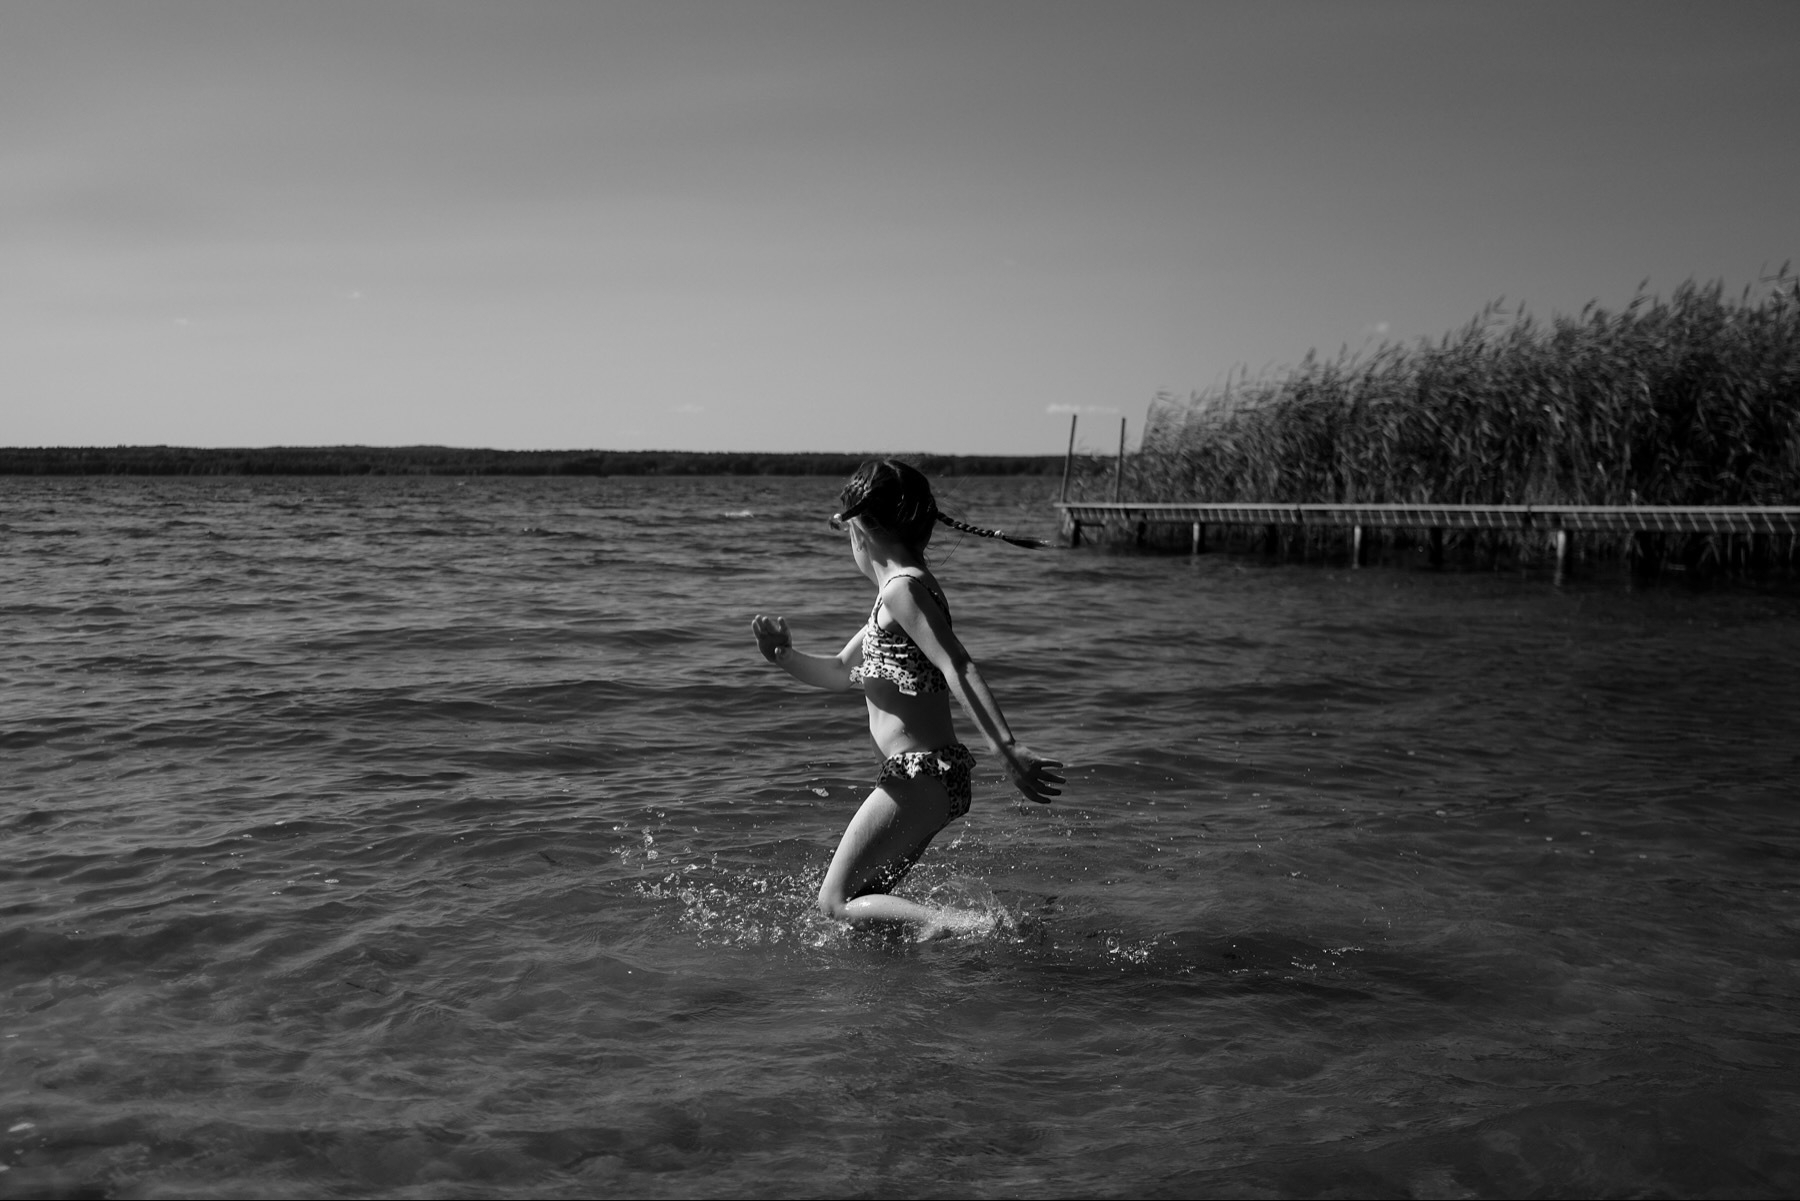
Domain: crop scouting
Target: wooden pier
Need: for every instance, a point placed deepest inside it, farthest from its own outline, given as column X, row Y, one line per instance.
column 1558, row 523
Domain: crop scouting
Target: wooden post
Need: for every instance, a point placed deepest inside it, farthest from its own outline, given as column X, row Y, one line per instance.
column 1199, row 543
column 1074, row 534
column 1562, row 554
column 1356, row 546
column 1069, row 458
column 1119, row 471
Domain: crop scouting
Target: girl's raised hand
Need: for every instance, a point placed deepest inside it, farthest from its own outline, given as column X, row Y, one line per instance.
column 771, row 636
column 1032, row 774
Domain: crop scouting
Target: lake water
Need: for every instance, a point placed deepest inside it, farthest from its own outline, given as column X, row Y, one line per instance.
column 428, row 837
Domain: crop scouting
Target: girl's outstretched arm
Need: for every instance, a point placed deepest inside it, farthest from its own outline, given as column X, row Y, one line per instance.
column 1036, row 777
column 830, row 672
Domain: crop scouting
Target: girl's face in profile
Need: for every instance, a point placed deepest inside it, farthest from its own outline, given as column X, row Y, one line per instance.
column 859, row 546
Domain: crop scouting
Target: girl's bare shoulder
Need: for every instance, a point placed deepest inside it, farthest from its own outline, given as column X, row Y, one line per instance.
column 916, row 588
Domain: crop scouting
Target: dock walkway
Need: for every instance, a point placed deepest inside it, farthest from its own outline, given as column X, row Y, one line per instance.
column 1558, row 522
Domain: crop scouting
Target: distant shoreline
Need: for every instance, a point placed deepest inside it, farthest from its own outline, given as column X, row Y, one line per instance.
column 447, row 460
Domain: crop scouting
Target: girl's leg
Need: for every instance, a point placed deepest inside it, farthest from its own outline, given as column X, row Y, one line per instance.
column 889, row 832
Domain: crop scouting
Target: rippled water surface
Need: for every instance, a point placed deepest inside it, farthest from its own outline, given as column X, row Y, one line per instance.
column 444, row 838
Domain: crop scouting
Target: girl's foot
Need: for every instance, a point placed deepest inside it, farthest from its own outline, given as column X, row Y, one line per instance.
column 954, row 923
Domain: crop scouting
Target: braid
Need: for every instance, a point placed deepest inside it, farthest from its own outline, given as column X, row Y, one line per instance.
column 965, row 527
column 895, row 496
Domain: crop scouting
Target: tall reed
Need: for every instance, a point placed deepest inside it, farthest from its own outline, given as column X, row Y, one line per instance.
column 1693, row 399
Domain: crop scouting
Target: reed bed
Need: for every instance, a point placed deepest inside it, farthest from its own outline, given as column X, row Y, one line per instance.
column 1689, row 400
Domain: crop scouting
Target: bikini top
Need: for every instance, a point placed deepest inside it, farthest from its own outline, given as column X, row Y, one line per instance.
column 893, row 656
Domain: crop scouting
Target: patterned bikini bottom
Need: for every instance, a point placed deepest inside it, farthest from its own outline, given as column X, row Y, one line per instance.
column 952, row 766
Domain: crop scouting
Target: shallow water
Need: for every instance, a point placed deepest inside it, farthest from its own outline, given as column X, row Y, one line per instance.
column 397, row 837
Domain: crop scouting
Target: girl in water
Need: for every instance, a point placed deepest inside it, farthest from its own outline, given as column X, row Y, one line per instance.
column 909, row 664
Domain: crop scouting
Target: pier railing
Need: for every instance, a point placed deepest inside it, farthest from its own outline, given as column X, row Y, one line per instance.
column 1558, row 522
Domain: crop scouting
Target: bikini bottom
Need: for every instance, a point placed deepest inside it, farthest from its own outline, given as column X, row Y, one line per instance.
column 952, row 766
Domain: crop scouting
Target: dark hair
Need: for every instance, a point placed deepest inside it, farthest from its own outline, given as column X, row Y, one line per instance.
column 896, row 497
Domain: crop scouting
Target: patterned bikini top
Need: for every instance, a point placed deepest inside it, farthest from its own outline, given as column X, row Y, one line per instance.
column 893, row 656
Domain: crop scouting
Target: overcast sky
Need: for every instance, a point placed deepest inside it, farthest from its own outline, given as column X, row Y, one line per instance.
column 830, row 226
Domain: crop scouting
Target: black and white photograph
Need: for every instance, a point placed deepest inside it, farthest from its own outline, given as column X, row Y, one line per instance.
column 899, row 598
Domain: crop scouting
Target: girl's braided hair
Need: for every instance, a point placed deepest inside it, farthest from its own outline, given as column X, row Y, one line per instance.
column 896, row 497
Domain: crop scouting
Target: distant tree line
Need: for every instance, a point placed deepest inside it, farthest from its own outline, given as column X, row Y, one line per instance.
column 447, row 460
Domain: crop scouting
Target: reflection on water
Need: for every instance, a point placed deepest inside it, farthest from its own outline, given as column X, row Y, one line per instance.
column 400, row 837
